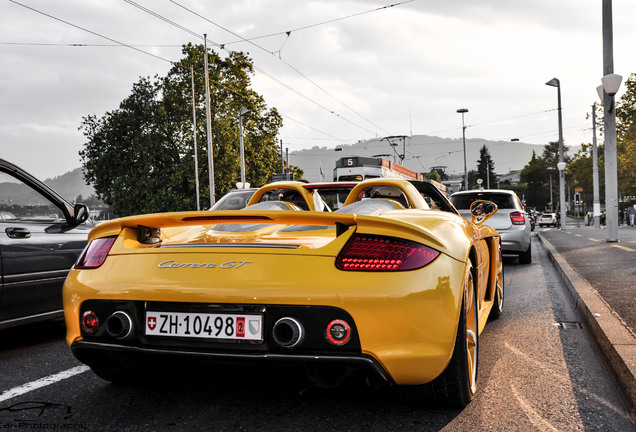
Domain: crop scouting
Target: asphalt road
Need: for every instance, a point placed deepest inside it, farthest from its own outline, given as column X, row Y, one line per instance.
column 535, row 374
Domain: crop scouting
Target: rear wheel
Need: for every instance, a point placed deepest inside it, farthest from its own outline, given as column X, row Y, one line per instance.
column 456, row 386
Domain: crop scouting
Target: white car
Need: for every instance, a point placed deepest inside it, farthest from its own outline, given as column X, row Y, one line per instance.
column 548, row 219
column 511, row 220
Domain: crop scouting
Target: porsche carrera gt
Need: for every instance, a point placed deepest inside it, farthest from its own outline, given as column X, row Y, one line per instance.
column 395, row 283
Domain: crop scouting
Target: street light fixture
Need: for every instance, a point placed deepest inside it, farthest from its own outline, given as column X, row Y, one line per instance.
column 554, row 82
column 242, row 112
column 462, row 111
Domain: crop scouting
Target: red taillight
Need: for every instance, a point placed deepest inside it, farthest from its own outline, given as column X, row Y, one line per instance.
column 378, row 253
column 517, row 218
column 95, row 253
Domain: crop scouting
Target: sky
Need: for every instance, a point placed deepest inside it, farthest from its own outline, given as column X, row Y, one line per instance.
column 338, row 71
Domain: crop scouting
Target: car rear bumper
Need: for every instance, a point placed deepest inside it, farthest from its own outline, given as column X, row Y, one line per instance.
column 515, row 241
column 100, row 355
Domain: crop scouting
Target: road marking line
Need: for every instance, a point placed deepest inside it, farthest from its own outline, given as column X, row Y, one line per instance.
column 624, row 248
column 595, row 240
column 42, row 382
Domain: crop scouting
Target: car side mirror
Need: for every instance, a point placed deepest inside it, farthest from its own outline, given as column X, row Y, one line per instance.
column 482, row 210
column 80, row 214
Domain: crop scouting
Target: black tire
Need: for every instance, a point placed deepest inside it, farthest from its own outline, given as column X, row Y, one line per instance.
column 498, row 304
column 526, row 257
column 456, row 386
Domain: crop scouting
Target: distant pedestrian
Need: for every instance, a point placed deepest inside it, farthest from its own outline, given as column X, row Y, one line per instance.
column 603, row 218
column 630, row 213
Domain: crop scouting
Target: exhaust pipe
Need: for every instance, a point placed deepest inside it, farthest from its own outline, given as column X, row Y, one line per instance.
column 119, row 325
column 288, row 332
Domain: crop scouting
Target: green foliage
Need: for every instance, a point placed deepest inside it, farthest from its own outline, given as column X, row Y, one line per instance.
column 140, row 157
column 486, row 168
column 434, row 175
column 539, row 173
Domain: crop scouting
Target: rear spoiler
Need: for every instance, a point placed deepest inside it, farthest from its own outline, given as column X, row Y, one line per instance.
column 206, row 218
column 148, row 226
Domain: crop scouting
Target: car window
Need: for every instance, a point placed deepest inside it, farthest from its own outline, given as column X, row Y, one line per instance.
column 234, row 200
column 503, row 201
column 19, row 201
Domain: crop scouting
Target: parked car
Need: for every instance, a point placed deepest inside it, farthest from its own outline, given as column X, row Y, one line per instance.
column 386, row 285
column 548, row 219
column 511, row 220
column 41, row 236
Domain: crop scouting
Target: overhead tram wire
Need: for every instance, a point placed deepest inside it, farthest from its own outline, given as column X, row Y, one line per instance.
column 91, row 32
column 220, row 46
column 320, row 23
column 117, row 45
column 287, row 63
column 133, row 47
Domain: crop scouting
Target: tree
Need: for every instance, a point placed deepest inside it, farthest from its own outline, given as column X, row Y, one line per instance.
column 625, row 138
column 140, row 157
column 536, row 190
column 626, row 162
column 486, row 168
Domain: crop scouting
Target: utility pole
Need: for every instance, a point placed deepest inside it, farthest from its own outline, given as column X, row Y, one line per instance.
column 194, row 136
column 208, row 120
column 609, row 123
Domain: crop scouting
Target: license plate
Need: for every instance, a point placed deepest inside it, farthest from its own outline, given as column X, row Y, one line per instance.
column 203, row 325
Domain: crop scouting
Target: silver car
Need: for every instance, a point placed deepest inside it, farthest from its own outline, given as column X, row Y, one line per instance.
column 510, row 220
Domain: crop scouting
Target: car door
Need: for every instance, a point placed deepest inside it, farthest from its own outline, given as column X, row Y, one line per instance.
column 38, row 245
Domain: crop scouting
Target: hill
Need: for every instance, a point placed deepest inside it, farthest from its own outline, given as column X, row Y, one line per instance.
column 70, row 185
column 422, row 153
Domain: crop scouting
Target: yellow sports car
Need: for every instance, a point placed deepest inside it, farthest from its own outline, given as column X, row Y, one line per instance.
column 396, row 283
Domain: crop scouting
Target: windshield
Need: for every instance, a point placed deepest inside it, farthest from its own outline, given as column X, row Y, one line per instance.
column 234, row 200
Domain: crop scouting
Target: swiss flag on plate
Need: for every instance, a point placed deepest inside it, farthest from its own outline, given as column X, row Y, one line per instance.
column 152, row 322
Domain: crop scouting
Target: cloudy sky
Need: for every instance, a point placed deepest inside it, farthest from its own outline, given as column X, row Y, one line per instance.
column 348, row 70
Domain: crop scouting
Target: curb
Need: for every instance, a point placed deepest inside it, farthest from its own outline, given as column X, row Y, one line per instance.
column 615, row 340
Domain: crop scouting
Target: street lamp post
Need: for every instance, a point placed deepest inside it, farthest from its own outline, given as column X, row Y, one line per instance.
column 242, row 112
column 595, row 184
column 554, row 82
column 462, row 111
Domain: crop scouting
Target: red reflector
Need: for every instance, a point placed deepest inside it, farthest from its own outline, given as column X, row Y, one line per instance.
column 517, row 218
column 95, row 253
column 380, row 254
column 223, row 218
column 90, row 322
column 338, row 332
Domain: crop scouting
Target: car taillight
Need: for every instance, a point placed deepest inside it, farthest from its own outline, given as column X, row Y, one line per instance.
column 517, row 218
column 366, row 252
column 95, row 253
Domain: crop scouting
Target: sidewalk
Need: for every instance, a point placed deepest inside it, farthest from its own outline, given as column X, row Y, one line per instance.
column 601, row 277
